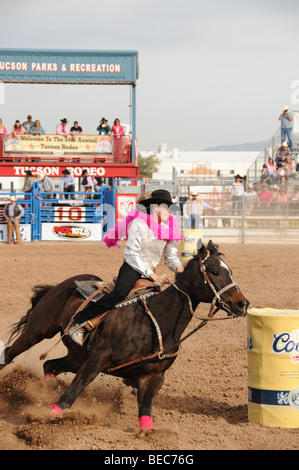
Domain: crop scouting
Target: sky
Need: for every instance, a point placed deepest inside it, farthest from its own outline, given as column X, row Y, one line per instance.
column 211, row 72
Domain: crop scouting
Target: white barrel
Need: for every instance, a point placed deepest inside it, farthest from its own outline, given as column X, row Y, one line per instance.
column 189, row 242
column 273, row 367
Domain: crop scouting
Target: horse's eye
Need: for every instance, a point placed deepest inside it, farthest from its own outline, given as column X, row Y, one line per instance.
column 215, row 273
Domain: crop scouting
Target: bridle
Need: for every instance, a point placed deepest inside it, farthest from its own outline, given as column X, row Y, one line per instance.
column 217, row 302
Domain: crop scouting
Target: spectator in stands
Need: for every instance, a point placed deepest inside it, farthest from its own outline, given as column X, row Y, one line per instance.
column 237, row 193
column 63, row 128
column 274, row 192
column 36, row 129
column 265, row 176
column 104, row 128
column 282, row 200
column 76, row 129
column 27, row 124
column 282, row 153
column 117, row 130
column 28, row 182
column 286, row 119
column 2, row 128
column 12, row 213
column 89, row 182
column 17, row 128
column 193, row 210
column 68, row 184
column 264, row 199
column 45, row 185
column 250, row 198
column 271, row 166
column 289, row 168
column 283, row 183
column 279, row 173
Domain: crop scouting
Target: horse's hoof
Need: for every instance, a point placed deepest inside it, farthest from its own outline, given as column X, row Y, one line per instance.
column 145, row 422
column 55, row 410
column 49, row 375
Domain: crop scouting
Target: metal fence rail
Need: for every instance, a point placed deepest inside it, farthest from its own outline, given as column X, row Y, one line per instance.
column 250, row 223
column 48, row 213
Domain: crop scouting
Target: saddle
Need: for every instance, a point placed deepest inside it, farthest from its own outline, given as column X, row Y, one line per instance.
column 92, row 291
column 100, row 288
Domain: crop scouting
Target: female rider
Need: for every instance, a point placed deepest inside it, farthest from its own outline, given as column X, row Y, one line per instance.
column 151, row 233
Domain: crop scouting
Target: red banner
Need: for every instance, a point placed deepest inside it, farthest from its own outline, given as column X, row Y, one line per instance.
column 104, row 171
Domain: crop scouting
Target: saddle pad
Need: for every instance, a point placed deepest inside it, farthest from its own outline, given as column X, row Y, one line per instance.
column 86, row 288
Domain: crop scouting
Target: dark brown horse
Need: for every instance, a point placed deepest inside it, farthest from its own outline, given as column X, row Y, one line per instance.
column 127, row 335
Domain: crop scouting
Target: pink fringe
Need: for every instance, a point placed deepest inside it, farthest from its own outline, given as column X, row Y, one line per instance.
column 120, row 231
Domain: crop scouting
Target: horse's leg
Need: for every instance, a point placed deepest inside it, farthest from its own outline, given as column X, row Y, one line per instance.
column 86, row 374
column 148, row 387
column 69, row 363
column 24, row 342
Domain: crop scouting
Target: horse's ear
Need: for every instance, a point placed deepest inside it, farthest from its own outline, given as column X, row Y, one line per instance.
column 201, row 249
column 212, row 248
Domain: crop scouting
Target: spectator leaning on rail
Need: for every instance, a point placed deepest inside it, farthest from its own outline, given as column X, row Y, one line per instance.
column 28, row 124
column 76, row 129
column 103, row 128
column 36, row 129
column 237, row 193
column 193, row 210
column 250, row 198
column 17, row 128
column 2, row 128
column 286, row 120
column 63, row 128
column 68, row 184
column 12, row 213
column 45, row 185
column 28, row 182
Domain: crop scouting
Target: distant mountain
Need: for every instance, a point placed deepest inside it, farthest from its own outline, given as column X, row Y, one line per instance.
column 249, row 147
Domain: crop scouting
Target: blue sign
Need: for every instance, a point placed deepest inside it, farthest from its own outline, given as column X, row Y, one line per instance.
column 68, row 66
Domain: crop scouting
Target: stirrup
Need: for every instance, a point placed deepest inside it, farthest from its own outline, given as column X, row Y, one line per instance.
column 78, row 333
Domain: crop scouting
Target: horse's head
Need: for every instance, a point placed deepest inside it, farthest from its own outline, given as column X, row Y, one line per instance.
column 215, row 284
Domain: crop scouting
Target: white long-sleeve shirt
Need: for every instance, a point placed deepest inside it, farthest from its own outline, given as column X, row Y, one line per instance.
column 143, row 251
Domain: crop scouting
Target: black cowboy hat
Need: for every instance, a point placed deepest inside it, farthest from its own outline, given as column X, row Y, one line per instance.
column 66, row 172
column 160, row 196
column 64, row 120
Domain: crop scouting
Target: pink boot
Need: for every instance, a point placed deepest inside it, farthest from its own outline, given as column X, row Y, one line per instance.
column 145, row 422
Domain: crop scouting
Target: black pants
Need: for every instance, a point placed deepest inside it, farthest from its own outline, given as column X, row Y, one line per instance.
column 127, row 277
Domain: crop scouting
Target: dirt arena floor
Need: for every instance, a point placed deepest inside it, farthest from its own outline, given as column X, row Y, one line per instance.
column 203, row 403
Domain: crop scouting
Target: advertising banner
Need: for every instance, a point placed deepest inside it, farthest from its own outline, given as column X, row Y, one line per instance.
column 58, row 144
column 25, row 232
column 68, row 66
column 124, row 203
column 71, row 231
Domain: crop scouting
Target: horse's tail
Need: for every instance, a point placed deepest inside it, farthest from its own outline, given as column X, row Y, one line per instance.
column 39, row 292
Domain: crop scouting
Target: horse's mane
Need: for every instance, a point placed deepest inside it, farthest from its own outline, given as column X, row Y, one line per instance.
column 213, row 249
